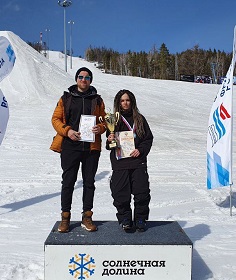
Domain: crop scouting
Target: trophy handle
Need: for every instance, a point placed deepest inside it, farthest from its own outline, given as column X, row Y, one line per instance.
column 117, row 117
column 100, row 119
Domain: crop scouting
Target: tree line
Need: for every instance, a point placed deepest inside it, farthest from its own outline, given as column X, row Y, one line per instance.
column 160, row 64
column 157, row 63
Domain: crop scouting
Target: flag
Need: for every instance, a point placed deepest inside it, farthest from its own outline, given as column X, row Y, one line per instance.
column 219, row 137
column 7, row 61
column 4, row 115
column 7, row 57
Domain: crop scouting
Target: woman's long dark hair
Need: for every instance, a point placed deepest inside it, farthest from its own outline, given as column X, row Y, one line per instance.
column 138, row 119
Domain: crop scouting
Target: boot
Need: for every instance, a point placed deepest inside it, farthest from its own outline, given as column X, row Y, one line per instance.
column 65, row 222
column 140, row 225
column 87, row 222
column 127, row 224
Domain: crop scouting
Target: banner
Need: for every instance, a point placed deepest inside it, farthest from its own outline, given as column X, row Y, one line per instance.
column 4, row 115
column 219, row 137
column 7, row 57
column 7, row 61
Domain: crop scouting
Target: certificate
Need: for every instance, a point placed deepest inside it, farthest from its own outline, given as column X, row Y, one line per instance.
column 126, row 145
column 85, row 128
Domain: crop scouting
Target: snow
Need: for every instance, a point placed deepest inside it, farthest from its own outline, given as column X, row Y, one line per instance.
column 30, row 178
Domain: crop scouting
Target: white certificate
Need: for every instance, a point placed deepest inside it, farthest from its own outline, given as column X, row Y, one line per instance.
column 126, row 145
column 85, row 128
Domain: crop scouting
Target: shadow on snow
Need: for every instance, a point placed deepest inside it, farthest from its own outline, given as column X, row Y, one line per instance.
column 14, row 206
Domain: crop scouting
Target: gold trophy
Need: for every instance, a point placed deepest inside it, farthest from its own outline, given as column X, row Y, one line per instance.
column 111, row 121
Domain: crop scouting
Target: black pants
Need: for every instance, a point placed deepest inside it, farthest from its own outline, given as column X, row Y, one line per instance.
column 70, row 163
column 126, row 182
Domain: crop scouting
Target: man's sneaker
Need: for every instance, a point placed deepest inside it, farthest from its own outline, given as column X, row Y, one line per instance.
column 87, row 222
column 126, row 224
column 65, row 222
column 140, row 225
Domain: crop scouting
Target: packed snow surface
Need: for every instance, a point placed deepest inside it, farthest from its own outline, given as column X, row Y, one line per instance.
column 30, row 177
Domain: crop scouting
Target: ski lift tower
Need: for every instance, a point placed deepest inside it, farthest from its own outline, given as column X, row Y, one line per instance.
column 213, row 70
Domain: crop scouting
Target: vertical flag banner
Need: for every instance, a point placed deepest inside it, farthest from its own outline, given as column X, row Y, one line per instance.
column 219, row 137
column 7, row 57
column 7, row 61
column 4, row 115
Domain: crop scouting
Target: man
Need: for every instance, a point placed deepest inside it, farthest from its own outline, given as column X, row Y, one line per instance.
column 81, row 99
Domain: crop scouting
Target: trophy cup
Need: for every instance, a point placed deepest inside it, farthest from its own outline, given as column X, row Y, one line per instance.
column 110, row 123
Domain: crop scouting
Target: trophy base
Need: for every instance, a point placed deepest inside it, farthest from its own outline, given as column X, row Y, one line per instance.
column 113, row 145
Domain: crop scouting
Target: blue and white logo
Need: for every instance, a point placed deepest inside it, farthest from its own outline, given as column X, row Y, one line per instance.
column 81, row 266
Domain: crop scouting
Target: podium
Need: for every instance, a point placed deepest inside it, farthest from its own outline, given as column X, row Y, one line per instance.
column 162, row 252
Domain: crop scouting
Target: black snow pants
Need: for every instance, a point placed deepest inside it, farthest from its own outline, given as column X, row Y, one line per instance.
column 125, row 183
column 70, row 163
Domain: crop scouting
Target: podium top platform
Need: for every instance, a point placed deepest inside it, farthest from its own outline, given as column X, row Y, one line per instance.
column 111, row 233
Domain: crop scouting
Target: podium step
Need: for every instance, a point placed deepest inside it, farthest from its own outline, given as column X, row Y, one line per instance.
column 163, row 251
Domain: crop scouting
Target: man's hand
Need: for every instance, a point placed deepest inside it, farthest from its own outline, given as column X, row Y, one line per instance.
column 74, row 135
column 96, row 129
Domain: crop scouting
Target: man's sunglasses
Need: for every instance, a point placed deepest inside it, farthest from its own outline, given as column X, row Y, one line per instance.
column 87, row 78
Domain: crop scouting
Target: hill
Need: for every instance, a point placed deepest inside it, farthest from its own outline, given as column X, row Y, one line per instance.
column 30, row 177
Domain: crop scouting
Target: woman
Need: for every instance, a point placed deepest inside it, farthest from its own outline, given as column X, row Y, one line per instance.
column 130, row 176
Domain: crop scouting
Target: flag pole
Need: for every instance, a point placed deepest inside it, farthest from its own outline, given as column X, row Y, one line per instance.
column 231, row 181
column 230, row 199
column 220, row 135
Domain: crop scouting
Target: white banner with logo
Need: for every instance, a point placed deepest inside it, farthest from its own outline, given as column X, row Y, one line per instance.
column 7, row 57
column 4, row 115
column 219, row 138
column 7, row 61
column 118, row 262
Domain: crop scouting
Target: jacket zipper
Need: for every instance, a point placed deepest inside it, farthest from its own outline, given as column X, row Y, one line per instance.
column 83, row 114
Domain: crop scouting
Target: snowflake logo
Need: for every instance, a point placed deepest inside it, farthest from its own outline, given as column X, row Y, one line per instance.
column 81, row 265
column 11, row 54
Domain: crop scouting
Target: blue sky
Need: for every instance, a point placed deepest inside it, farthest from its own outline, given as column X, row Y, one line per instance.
column 124, row 25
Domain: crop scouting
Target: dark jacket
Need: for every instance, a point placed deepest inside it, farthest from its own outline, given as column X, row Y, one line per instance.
column 142, row 144
column 67, row 115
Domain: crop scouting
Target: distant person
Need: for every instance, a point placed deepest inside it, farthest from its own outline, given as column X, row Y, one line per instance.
column 80, row 99
column 130, row 175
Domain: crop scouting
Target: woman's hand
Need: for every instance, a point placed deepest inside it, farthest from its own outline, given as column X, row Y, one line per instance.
column 111, row 137
column 135, row 153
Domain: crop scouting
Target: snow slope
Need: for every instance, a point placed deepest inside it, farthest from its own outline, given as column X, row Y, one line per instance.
column 30, row 177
